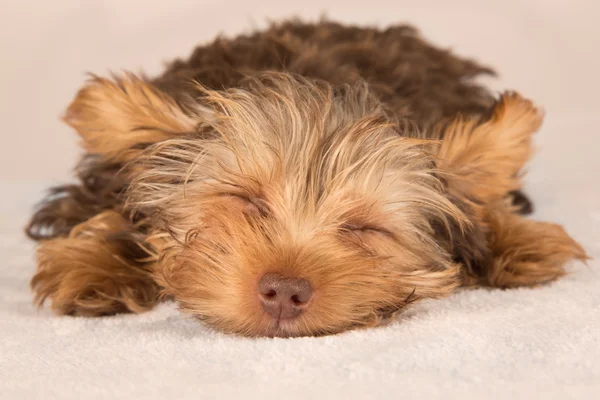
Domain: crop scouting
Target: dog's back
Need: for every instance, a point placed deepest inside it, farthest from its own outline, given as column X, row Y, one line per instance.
column 415, row 79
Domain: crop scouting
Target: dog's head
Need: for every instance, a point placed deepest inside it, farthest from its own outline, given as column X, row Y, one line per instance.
column 287, row 207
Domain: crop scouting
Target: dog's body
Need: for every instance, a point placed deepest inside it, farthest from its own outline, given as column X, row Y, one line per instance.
column 320, row 179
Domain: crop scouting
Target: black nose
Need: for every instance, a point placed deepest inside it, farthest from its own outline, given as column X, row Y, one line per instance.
column 283, row 297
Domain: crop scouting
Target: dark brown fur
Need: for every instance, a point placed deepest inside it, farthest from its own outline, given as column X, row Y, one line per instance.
column 415, row 79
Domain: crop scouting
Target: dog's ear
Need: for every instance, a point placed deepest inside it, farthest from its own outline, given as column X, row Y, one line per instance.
column 480, row 164
column 484, row 160
column 116, row 116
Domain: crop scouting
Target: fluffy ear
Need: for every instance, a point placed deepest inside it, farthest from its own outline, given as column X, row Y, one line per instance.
column 484, row 160
column 114, row 116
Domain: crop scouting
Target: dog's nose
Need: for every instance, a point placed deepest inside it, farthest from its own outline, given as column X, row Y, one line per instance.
column 283, row 297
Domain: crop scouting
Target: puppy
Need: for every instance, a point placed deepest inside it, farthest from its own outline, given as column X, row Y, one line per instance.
column 303, row 180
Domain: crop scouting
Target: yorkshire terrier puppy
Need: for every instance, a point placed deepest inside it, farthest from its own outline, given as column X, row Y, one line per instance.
column 303, row 180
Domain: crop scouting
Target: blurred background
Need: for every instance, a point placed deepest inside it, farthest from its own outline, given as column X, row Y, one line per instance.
column 547, row 49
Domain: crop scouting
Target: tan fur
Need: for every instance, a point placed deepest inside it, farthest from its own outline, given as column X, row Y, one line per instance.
column 89, row 274
column 286, row 174
column 340, row 163
column 527, row 252
column 114, row 115
column 485, row 160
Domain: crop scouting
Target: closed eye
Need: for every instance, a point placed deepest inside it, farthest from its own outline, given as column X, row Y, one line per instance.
column 253, row 205
column 355, row 228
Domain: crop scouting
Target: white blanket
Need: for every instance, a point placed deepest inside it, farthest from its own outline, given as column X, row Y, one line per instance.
column 480, row 344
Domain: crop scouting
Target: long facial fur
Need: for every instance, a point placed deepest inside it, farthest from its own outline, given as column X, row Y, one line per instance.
column 253, row 200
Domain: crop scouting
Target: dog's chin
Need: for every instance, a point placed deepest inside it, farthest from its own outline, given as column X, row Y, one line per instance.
column 286, row 328
column 282, row 330
column 294, row 328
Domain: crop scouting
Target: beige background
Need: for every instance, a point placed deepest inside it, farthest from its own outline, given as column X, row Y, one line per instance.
column 548, row 49
column 476, row 344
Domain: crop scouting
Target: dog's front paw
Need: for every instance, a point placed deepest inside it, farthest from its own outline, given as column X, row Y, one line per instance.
column 91, row 274
column 527, row 252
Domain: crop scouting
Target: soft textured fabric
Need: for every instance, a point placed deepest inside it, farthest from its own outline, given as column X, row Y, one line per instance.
column 492, row 344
